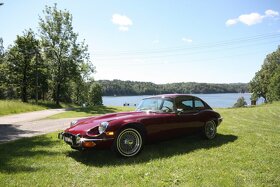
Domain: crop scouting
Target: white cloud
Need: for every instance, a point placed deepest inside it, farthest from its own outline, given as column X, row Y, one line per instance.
column 231, row 22
column 122, row 21
column 271, row 13
column 252, row 18
column 187, row 40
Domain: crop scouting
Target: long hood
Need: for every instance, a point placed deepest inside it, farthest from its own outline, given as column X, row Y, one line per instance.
column 84, row 125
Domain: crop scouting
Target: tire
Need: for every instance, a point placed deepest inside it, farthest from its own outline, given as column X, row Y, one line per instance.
column 128, row 143
column 210, row 130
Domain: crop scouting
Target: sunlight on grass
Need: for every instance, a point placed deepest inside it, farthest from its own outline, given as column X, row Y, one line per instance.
column 244, row 153
column 14, row 106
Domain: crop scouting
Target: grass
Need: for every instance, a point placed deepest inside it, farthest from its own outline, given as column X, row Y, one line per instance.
column 246, row 152
column 14, row 106
column 90, row 111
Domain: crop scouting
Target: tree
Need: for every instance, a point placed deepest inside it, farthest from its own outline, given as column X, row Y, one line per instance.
column 3, row 70
column 20, row 61
column 240, row 102
column 262, row 82
column 274, row 87
column 95, row 94
column 62, row 51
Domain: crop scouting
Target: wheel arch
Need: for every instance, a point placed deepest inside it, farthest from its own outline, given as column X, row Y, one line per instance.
column 138, row 126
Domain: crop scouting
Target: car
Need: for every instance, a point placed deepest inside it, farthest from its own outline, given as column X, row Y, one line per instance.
column 156, row 118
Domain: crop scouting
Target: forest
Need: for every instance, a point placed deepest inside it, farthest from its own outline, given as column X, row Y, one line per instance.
column 125, row 88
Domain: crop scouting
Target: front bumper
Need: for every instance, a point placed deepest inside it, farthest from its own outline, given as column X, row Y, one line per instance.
column 76, row 141
column 220, row 119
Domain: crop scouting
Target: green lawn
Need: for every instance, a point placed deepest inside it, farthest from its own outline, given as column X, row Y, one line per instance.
column 246, row 152
column 14, row 106
column 90, row 111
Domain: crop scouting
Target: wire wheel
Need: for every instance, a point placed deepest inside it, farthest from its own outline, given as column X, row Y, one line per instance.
column 210, row 129
column 129, row 142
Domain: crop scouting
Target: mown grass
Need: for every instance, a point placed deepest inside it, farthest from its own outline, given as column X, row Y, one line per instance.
column 90, row 111
column 15, row 106
column 246, row 152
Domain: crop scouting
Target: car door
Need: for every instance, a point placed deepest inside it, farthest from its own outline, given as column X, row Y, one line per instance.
column 190, row 117
column 160, row 125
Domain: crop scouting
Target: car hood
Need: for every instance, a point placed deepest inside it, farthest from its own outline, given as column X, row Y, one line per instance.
column 84, row 125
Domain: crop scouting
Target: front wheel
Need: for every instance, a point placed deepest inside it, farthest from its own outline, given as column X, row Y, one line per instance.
column 128, row 143
column 210, row 130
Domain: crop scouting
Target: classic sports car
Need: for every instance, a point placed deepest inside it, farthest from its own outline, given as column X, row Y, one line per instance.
column 157, row 117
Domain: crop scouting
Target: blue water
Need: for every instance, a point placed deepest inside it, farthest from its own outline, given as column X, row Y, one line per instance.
column 214, row 100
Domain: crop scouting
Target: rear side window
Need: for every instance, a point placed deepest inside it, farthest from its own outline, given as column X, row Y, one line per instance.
column 185, row 104
column 198, row 104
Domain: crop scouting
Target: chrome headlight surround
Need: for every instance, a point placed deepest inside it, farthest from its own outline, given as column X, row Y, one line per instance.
column 103, row 126
column 73, row 123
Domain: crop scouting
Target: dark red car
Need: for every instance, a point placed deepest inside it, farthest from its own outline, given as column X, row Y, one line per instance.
column 157, row 117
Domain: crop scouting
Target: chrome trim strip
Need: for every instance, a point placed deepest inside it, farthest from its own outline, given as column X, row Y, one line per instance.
column 92, row 140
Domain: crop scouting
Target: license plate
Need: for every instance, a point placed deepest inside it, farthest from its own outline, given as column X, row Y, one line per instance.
column 67, row 139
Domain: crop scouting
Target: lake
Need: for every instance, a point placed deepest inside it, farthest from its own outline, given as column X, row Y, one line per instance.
column 214, row 100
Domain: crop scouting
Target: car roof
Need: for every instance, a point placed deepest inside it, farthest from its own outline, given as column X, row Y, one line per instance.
column 170, row 96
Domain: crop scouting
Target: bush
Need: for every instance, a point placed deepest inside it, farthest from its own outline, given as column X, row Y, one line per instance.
column 240, row 102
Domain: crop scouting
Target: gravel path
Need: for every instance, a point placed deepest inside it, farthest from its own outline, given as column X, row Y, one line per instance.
column 29, row 124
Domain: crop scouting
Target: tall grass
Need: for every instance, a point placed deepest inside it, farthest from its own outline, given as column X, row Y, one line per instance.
column 14, row 107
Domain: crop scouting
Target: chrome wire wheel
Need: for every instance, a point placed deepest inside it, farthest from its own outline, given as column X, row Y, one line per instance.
column 210, row 129
column 129, row 142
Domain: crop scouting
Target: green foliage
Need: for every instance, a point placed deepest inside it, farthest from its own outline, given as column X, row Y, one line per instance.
column 240, row 102
column 118, row 87
column 274, row 86
column 263, row 84
column 22, row 64
column 95, row 94
column 244, row 153
column 54, row 67
column 62, row 51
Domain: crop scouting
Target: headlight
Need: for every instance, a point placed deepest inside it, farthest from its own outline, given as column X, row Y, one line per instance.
column 102, row 127
column 73, row 123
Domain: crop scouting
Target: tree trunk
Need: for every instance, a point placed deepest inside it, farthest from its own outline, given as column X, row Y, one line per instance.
column 24, row 85
column 57, row 94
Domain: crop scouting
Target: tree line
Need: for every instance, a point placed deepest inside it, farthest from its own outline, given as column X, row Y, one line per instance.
column 50, row 64
column 118, row 87
column 266, row 82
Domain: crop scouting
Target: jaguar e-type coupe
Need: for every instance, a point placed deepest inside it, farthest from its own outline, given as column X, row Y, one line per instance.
column 156, row 118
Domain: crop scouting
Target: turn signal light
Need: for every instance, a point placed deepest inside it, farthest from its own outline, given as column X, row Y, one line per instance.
column 88, row 144
column 110, row 133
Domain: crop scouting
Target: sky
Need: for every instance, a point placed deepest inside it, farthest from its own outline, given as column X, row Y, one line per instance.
column 163, row 41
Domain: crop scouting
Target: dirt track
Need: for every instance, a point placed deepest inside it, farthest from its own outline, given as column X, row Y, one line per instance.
column 29, row 124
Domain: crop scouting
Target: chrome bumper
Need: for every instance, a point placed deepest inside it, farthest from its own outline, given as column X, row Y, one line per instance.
column 77, row 140
column 220, row 120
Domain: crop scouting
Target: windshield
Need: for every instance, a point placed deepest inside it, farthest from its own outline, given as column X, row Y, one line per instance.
column 156, row 105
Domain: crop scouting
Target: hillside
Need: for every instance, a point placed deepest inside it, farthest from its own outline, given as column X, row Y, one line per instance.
column 123, row 88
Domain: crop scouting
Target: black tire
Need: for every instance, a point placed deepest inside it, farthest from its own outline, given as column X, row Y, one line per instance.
column 128, row 143
column 210, row 130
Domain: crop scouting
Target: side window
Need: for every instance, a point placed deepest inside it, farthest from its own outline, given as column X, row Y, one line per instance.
column 185, row 104
column 167, row 106
column 199, row 104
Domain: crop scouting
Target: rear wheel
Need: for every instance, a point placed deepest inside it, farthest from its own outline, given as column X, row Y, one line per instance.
column 128, row 143
column 210, row 130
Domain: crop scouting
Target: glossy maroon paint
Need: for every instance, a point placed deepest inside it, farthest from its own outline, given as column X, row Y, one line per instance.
column 155, row 125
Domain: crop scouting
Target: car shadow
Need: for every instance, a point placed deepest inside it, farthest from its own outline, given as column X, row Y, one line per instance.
column 185, row 145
